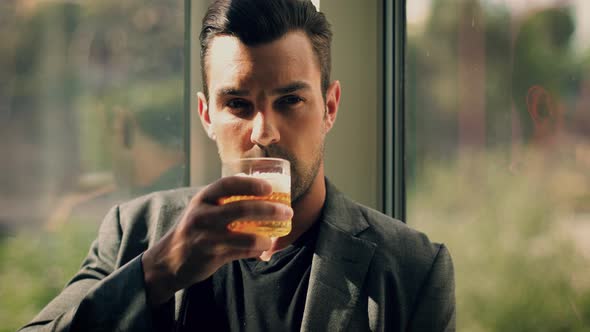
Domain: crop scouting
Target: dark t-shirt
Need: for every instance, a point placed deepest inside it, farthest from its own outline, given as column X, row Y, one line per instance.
column 254, row 295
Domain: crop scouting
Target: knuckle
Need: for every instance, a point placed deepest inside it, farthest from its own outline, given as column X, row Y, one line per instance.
column 203, row 193
column 275, row 209
column 269, row 209
column 225, row 184
column 266, row 209
column 202, row 197
column 241, row 209
column 194, row 217
column 256, row 185
column 203, row 220
column 232, row 181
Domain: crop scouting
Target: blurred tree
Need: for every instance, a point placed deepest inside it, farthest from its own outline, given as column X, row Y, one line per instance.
column 518, row 239
column 66, row 58
column 66, row 68
column 432, row 80
column 543, row 58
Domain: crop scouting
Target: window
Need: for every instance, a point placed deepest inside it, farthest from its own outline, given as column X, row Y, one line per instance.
column 497, row 107
column 86, row 102
column 483, row 144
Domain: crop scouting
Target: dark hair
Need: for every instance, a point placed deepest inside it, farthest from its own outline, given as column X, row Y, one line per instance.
column 256, row 22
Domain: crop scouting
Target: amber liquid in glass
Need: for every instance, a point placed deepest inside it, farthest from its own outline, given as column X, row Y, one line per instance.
column 270, row 228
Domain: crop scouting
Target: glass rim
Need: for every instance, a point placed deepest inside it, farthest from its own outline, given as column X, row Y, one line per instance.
column 256, row 159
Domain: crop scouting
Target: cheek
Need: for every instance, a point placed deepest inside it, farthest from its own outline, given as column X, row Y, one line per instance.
column 309, row 125
column 305, row 132
column 232, row 136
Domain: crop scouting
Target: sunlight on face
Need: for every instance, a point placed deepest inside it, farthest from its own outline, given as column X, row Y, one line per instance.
column 267, row 101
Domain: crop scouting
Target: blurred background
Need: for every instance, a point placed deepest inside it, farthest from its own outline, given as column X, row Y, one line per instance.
column 91, row 114
column 498, row 155
column 497, row 139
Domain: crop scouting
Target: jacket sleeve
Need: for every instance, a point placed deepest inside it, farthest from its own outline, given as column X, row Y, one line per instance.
column 105, row 295
column 435, row 307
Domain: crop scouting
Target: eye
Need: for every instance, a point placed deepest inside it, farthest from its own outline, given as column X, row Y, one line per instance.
column 239, row 107
column 237, row 104
column 289, row 101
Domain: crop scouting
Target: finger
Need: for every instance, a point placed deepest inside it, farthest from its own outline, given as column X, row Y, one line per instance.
column 235, row 254
column 216, row 218
column 249, row 210
column 247, row 241
column 235, row 185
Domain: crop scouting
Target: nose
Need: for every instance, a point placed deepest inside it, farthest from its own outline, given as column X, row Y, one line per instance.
column 264, row 130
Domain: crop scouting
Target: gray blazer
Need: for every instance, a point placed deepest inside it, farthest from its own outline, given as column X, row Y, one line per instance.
column 369, row 273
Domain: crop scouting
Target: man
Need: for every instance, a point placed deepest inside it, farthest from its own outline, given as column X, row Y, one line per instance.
column 167, row 261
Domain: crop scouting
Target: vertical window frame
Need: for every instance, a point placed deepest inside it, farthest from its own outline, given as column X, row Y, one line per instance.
column 187, row 91
column 394, row 42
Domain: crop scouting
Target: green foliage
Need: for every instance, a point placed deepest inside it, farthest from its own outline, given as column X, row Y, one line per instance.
column 518, row 266
column 35, row 266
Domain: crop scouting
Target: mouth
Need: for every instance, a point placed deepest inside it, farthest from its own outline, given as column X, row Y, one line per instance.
column 271, row 151
column 257, row 153
column 265, row 152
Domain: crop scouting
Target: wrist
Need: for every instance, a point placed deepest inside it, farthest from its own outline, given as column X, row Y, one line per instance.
column 157, row 284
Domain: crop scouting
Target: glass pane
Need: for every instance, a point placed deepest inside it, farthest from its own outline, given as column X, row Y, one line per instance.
column 498, row 125
column 91, row 114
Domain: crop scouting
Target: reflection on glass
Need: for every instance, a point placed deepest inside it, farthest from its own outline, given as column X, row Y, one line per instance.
column 498, row 123
column 91, row 114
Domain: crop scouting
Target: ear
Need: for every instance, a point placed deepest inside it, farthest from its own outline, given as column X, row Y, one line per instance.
column 541, row 106
column 332, row 103
column 204, row 115
column 544, row 111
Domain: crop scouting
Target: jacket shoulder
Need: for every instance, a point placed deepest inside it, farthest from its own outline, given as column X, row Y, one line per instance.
column 160, row 199
column 147, row 218
column 411, row 279
column 398, row 245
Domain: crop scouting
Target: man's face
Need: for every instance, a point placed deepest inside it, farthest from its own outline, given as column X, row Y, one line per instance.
column 266, row 101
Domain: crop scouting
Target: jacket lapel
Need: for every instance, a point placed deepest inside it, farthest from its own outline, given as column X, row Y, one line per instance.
column 339, row 265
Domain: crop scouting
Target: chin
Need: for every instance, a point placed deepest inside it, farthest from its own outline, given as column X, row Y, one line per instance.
column 301, row 188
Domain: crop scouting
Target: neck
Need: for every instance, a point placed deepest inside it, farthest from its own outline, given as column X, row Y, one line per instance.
column 306, row 211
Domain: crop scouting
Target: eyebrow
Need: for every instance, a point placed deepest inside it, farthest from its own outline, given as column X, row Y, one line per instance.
column 289, row 88
column 229, row 91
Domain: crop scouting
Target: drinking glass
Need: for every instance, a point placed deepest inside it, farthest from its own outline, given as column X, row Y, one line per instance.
column 278, row 173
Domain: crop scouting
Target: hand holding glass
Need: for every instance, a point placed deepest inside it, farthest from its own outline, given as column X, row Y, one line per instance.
column 278, row 173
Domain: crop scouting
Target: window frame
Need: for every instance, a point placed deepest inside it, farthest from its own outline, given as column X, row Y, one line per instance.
column 187, row 90
column 394, row 41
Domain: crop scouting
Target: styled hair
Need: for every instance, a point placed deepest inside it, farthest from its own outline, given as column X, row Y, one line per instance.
column 256, row 22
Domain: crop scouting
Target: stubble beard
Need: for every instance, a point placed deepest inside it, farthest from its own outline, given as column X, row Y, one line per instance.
column 302, row 176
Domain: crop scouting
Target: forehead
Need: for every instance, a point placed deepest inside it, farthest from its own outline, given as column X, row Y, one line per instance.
column 289, row 58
